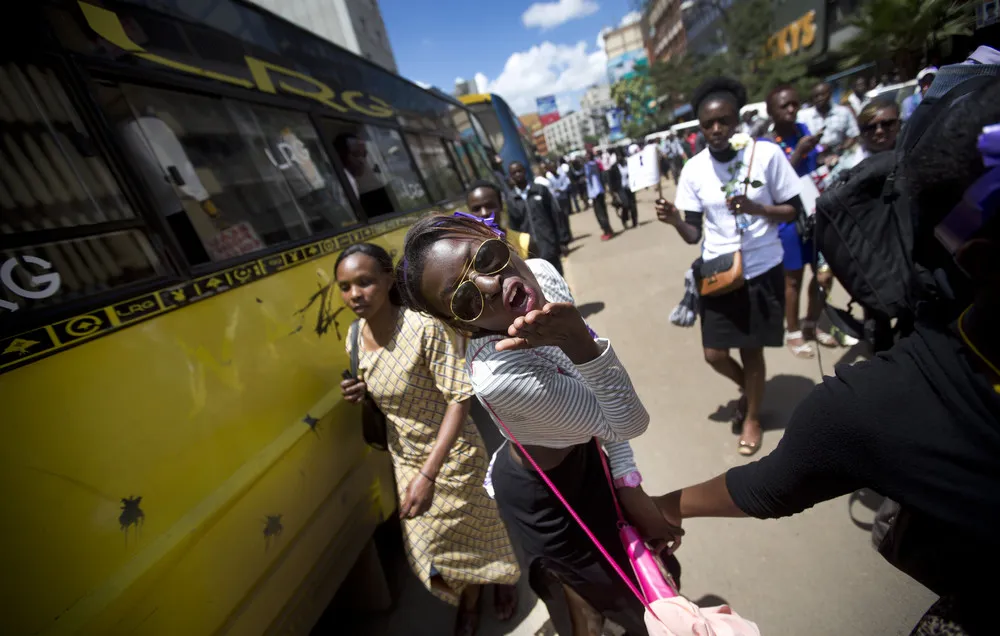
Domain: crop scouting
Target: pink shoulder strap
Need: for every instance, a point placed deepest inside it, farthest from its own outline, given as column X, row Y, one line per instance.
column 559, row 495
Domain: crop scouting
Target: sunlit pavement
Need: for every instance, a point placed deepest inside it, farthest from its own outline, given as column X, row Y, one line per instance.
column 811, row 575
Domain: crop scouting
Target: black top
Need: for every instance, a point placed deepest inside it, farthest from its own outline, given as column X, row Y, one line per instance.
column 536, row 215
column 917, row 424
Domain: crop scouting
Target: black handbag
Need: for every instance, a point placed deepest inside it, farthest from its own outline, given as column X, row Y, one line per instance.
column 373, row 422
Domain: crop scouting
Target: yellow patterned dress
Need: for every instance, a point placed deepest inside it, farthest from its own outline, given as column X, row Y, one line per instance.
column 413, row 379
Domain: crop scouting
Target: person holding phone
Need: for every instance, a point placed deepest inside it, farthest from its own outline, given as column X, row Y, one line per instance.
column 412, row 366
column 733, row 201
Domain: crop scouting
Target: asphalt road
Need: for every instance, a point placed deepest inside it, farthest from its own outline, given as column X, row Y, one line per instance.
column 814, row 574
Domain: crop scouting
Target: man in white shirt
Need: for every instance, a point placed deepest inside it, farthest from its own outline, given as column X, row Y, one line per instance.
column 840, row 129
column 857, row 99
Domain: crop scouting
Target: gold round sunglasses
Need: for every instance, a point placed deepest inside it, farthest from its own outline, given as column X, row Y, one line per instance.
column 492, row 257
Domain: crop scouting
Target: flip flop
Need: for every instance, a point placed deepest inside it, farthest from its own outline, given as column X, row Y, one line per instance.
column 804, row 350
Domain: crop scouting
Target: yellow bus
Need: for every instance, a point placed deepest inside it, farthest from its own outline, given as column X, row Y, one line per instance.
column 176, row 181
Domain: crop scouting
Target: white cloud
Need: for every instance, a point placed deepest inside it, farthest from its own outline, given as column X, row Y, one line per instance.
column 600, row 36
column 482, row 83
column 424, row 85
column 459, row 80
column 630, row 18
column 546, row 15
column 548, row 69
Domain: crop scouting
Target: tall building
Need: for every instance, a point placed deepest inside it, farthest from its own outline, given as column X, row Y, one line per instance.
column 568, row 133
column 666, row 30
column 597, row 96
column 357, row 26
column 465, row 87
column 626, row 51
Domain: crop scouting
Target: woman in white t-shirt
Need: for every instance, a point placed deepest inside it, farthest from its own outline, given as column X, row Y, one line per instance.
column 711, row 195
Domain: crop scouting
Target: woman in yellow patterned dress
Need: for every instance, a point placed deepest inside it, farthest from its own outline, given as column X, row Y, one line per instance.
column 412, row 367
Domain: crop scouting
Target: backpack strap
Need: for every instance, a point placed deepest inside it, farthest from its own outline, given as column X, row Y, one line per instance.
column 354, row 335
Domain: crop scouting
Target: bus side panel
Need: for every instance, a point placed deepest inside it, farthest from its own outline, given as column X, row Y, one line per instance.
column 145, row 471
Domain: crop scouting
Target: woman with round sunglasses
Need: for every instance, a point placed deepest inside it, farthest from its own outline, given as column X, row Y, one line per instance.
column 411, row 365
column 879, row 125
column 536, row 367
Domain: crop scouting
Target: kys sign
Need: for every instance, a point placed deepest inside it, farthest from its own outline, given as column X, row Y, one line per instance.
column 39, row 285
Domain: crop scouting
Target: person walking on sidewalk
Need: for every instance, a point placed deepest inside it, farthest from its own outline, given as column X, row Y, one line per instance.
column 534, row 210
column 560, row 190
column 621, row 195
column 412, row 366
column 799, row 146
column 595, row 192
column 579, row 181
column 736, row 197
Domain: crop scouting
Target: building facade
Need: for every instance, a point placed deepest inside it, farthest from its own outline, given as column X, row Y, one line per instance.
column 667, row 37
column 354, row 25
column 597, row 96
column 465, row 87
column 570, row 131
column 626, row 51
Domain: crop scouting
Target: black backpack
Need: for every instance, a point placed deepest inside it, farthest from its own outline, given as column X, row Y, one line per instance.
column 864, row 223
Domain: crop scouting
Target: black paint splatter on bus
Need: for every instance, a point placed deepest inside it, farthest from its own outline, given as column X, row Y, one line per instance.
column 326, row 315
column 132, row 515
column 272, row 529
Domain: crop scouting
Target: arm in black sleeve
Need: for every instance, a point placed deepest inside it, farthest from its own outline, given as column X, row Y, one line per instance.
column 515, row 212
column 562, row 224
column 544, row 230
column 823, row 454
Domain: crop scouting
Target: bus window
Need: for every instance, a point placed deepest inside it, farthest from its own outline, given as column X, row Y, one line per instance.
column 464, row 163
column 437, row 168
column 378, row 167
column 490, row 123
column 480, row 159
column 230, row 178
column 53, row 178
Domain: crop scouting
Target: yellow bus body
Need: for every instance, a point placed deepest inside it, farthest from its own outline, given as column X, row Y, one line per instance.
column 225, row 418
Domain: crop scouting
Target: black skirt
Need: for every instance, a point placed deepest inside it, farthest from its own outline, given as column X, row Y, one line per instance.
column 548, row 540
column 751, row 317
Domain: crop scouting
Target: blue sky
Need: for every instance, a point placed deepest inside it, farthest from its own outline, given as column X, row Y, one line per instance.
column 520, row 49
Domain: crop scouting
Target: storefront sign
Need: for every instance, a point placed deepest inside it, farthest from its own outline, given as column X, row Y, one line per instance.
column 796, row 36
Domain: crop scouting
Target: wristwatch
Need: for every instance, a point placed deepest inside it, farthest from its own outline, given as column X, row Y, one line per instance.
column 629, row 480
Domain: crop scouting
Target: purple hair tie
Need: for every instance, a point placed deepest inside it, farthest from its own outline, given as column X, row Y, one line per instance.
column 489, row 221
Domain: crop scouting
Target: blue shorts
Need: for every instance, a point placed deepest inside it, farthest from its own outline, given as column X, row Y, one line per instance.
column 797, row 251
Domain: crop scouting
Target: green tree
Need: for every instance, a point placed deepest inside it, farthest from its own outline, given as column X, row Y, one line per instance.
column 904, row 31
column 746, row 27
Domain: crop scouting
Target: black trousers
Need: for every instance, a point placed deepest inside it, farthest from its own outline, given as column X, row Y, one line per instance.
column 630, row 208
column 601, row 212
column 565, row 235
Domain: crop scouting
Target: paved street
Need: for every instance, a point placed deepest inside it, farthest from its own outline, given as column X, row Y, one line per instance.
column 815, row 574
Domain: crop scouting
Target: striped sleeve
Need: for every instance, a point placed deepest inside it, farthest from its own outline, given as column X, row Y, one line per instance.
column 621, row 461
column 527, row 390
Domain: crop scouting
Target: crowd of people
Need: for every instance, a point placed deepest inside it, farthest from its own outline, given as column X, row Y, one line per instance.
column 467, row 313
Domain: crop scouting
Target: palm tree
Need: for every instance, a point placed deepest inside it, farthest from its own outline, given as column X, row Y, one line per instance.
column 904, row 31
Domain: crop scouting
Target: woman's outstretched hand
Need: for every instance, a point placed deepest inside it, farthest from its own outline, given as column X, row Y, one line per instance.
column 649, row 519
column 556, row 325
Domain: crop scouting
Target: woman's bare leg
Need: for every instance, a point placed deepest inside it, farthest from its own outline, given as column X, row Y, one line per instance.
column 755, row 375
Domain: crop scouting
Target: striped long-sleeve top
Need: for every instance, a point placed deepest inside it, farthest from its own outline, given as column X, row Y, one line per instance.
column 546, row 400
